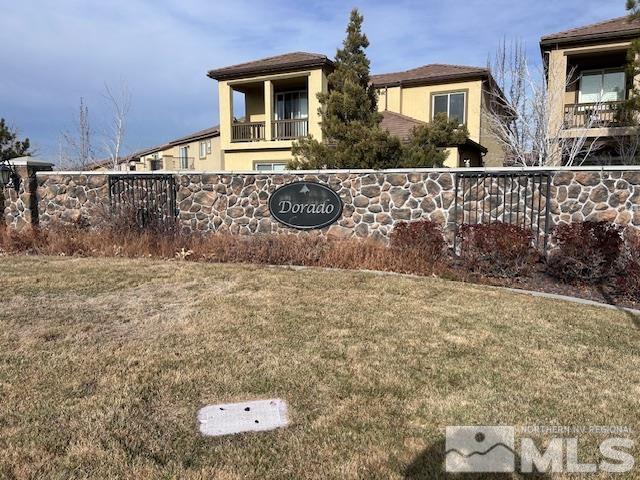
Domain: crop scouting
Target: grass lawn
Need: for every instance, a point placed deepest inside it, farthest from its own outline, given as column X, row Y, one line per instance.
column 104, row 364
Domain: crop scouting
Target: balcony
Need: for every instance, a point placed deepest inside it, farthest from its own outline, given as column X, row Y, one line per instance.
column 594, row 115
column 280, row 130
column 169, row 162
column 247, row 132
column 290, row 129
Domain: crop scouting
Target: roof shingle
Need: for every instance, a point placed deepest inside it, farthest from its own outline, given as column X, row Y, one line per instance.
column 402, row 126
column 399, row 125
column 432, row 73
column 278, row 63
column 620, row 27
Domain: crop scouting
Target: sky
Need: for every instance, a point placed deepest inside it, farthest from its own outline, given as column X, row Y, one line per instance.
column 52, row 53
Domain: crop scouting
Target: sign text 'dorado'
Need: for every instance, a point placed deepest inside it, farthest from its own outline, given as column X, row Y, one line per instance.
column 305, row 205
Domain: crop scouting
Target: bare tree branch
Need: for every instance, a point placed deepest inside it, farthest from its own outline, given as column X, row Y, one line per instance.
column 519, row 113
column 75, row 147
column 120, row 103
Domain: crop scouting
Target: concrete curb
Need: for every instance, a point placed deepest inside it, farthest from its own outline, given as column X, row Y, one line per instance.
column 581, row 301
column 533, row 293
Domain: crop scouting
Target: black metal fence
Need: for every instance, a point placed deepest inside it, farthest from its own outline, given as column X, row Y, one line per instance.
column 517, row 198
column 150, row 198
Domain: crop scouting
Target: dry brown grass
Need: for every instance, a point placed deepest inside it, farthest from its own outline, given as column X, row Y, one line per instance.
column 105, row 362
column 286, row 249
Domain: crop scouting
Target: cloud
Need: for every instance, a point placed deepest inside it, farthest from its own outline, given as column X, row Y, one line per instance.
column 55, row 52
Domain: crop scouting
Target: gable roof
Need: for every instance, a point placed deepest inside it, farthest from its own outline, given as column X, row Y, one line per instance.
column 279, row 63
column 432, row 73
column 206, row 133
column 615, row 28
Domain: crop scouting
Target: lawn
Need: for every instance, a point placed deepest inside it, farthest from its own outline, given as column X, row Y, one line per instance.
column 104, row 364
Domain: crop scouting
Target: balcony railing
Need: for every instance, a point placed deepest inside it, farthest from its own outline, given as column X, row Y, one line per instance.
column 290, row 129
column 247, row 132
column 594, row 115
column 177, row 163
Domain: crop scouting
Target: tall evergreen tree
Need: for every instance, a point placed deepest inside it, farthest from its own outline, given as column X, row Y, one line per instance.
column 350, row 120
column 10, row 145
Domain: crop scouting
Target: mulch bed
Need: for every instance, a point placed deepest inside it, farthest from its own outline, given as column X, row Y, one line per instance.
column 540, row 281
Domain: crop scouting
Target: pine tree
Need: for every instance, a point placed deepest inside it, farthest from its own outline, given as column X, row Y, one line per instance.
column 10, row 146
column 350, row 120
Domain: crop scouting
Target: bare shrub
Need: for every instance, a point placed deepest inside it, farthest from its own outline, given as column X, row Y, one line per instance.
column 585, row 252
column 627, row 279
column 423, row 235
column 497, row 249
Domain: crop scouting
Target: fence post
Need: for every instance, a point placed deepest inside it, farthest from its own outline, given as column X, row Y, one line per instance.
column 547, row 213
column 455, row 214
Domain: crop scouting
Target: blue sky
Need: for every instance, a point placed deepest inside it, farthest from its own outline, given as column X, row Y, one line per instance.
column 54, row 52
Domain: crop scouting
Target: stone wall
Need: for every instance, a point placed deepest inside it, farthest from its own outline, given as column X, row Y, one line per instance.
column 373, row 200
column 72, row 198
column 610, row 195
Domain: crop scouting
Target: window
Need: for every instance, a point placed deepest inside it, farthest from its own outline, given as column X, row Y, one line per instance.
column 291, row 105
column 203, row 149
column 602, row 86
column 270, row 167
column 155, row 164
column 208, row 146
column 452, row 104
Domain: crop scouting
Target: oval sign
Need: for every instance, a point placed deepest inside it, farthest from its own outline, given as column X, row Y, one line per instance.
column 305, row 205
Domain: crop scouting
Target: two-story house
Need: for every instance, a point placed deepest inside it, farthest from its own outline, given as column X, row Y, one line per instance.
column 281, row 105
column 587, row 83
column 462, row 92
column 197, row 151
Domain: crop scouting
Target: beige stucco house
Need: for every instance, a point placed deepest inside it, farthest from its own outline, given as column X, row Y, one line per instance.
column 587, row 83
column 586, row 76
column 197, row 151
column 281, row 105
column 462, row 92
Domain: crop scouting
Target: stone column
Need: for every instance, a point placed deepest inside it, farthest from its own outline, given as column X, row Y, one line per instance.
column 21, row 201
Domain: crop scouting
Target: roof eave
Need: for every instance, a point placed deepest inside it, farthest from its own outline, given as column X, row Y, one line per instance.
column 220, row 74
column 414, row 82
column 581, row 39
column 194, row 138
column 474, row 144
